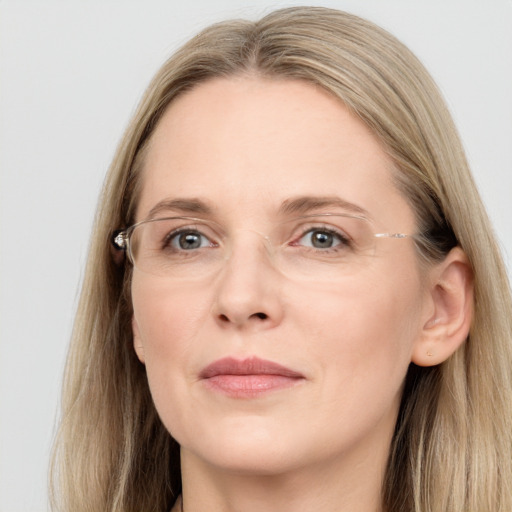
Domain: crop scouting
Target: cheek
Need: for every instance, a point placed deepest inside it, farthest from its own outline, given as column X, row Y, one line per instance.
column 365, row 330
column 168, row 322
column 167, row 318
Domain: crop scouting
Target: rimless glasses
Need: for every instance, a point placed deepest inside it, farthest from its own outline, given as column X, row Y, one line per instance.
column 320, row 247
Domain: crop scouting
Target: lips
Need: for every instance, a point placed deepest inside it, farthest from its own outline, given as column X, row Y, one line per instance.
column 248, row 378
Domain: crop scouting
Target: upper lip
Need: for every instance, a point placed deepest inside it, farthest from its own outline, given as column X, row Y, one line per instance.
column 249, row 366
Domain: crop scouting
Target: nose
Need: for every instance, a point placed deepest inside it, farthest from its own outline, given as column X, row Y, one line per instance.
column 248, row 290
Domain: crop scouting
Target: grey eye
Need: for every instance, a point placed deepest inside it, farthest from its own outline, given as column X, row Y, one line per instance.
column 320, row 239
column 189, row 240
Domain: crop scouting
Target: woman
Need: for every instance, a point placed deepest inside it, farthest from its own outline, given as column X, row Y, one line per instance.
column 293, row 298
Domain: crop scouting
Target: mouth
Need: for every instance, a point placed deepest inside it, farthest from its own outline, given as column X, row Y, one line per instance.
column 248, row 378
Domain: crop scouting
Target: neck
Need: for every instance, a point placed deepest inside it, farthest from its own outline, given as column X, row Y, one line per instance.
column 330, row 486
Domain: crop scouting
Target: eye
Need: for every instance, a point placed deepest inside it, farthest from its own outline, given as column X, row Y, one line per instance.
column 187, row 240
column 322, row 238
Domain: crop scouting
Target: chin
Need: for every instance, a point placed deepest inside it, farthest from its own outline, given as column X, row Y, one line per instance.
column 250, row 461
column 246, row 447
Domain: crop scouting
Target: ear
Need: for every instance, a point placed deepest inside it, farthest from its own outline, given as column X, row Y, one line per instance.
column 450, row 311
column 137, row 342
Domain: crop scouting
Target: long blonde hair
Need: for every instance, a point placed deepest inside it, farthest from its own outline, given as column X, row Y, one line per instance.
column 452, row 448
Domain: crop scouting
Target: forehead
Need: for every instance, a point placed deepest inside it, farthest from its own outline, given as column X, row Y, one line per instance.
column 248, row 144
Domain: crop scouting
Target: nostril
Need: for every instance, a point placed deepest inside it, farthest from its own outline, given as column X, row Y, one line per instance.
column 226, row 319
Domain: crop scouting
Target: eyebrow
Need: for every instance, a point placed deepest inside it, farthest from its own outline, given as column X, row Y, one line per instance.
column 297, row 206
column 306, row 204
column 181, row 205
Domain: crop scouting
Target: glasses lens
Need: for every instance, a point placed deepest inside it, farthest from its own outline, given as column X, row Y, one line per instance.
column 321, row 247
column 324, row 247
column 177, row 247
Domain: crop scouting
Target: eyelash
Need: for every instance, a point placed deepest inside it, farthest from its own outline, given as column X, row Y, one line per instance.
column 343, row 240
column 167, row 243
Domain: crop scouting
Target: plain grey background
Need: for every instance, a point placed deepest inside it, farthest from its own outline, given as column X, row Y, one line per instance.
column 71, row 75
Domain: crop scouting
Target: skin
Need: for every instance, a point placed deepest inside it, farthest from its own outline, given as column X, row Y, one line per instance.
column 245, row 145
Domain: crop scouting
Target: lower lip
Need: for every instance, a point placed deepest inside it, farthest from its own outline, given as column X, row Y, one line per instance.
column 249, row 386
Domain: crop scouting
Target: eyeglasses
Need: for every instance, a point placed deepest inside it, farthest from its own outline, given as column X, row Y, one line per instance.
column 320, row 246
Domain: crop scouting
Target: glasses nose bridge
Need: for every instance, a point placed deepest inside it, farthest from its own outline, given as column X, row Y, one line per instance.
column 250, row 243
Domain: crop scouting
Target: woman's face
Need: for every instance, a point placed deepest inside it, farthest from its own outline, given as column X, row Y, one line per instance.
column 264, row 365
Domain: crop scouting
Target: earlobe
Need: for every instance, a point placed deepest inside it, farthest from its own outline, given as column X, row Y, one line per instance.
column 449, row 321
column 137, row 342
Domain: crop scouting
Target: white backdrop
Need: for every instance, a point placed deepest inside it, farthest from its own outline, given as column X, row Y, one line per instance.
column 71, row 74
